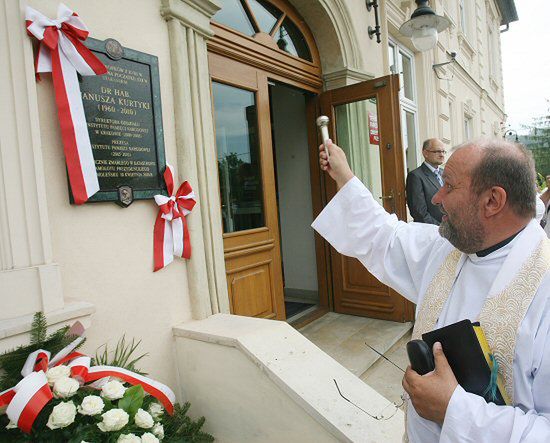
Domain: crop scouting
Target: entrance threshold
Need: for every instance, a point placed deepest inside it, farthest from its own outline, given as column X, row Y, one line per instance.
column 306, row 317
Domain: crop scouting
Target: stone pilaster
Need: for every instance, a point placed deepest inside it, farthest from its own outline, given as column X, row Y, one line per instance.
column 189, row 29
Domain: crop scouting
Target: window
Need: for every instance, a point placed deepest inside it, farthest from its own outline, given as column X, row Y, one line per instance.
column 468, row 130
column 462, row 16
column 493, row 53
column 252, row 17
column 452, row 128
column 401, row 62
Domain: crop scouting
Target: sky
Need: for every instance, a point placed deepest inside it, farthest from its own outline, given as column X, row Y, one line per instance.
column 526, row 63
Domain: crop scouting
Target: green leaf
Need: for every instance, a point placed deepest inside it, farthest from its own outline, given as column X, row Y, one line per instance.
column 132, row 400
column 122, row 356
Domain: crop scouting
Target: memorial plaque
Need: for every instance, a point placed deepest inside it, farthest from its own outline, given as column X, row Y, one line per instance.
column 123, row 113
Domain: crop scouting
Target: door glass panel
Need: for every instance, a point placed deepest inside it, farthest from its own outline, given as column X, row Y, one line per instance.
column 239, row 169
column 232, row 14
column 266, row 14
column 357, row 135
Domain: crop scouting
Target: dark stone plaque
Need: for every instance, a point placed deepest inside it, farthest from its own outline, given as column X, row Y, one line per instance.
column 123, row 113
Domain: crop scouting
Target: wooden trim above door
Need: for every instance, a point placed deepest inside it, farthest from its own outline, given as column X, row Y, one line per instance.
column 234, row 45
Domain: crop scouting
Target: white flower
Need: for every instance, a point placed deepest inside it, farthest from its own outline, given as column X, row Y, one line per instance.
column 149, row 438
column 143, row 419
column 113, row 420
column 11, row 425
column 158, row 430
column 113, row 390
column 57, row 372
column 156, row 410
column 62, row 415
column 128, row 438
column 91, row 405
column 65, row 387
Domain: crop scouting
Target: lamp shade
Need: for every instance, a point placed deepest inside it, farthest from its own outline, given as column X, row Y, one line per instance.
column 424, row 26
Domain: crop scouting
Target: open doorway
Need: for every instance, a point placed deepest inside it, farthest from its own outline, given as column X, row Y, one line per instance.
column 293, row 192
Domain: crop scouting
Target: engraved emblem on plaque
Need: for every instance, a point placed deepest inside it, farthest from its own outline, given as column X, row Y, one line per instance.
column 114, row 49
column 125, row 196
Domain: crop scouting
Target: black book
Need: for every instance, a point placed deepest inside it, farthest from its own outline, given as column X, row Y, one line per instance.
column 469, row 356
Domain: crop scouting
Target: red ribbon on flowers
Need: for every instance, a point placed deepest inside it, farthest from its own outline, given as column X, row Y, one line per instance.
column 25, row 400
column 171, row 235
column 62, row 53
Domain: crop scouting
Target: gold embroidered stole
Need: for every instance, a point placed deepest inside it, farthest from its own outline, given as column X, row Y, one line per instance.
column 500, row 316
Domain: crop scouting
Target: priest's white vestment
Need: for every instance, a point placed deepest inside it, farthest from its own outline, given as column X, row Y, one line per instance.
column 406, row 257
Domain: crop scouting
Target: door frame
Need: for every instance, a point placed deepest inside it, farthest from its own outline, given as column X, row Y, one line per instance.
column 233, row 67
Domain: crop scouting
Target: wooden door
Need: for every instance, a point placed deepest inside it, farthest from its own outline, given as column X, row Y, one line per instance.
column 247, row 188
column 365, row 123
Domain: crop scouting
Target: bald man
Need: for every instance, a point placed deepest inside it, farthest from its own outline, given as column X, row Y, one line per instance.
column 489, row 261
column 424, row 182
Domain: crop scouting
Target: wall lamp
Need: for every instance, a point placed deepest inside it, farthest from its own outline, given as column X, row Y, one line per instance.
column 436, row 66
column 424, row 26
column 376, row 30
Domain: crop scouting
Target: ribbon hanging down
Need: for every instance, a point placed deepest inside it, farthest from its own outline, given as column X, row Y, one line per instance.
column 171, row 235
column 62, row 53
column 24, row 401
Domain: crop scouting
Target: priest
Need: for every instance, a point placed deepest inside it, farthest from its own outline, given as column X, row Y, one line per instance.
column 488, row 261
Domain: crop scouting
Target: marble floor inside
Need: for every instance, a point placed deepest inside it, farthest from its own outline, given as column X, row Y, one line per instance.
column 357, row 342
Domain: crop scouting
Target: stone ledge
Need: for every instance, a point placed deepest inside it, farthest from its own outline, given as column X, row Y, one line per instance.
column 13, row 330
column 303, row 372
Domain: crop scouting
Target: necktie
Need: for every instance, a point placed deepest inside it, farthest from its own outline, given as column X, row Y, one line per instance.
column 437, row 173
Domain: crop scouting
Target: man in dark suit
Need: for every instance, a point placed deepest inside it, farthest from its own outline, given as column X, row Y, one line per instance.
column 425, row 181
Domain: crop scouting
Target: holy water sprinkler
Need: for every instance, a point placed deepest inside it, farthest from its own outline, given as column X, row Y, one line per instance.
column 322, row 123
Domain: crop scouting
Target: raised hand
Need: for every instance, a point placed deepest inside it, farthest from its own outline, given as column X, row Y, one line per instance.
column 336, row 165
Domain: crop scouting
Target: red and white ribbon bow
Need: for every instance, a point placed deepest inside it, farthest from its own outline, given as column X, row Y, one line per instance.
column 25, row 400
column 62, row 53
column 171, row 235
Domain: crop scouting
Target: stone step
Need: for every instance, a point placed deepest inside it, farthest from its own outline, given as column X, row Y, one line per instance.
column 345, row 338
column 384, row 376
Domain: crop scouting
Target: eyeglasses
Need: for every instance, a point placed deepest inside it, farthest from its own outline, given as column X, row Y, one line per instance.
column 436, row 152
column 395, row 406
column 380, row 415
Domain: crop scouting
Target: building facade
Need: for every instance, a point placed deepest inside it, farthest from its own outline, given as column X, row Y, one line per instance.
column 241, row 84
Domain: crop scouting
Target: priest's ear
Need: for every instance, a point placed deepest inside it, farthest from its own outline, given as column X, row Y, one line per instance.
column 494, row 201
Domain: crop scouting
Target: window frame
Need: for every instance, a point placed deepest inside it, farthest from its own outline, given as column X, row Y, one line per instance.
column 406, row 104
column 268, row 39
column 468, row 127
column 462, row 17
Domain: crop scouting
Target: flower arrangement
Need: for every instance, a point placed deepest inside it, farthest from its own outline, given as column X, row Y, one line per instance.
column 69, row 398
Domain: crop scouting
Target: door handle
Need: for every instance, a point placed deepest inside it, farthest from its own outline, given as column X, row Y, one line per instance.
column 391, row 198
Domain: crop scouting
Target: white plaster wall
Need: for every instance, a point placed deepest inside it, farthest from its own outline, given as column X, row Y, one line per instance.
column 243, row 405
column 294, row 186
column 106, row 252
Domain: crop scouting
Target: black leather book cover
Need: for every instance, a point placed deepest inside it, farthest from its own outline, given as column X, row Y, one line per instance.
column 466, row 358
